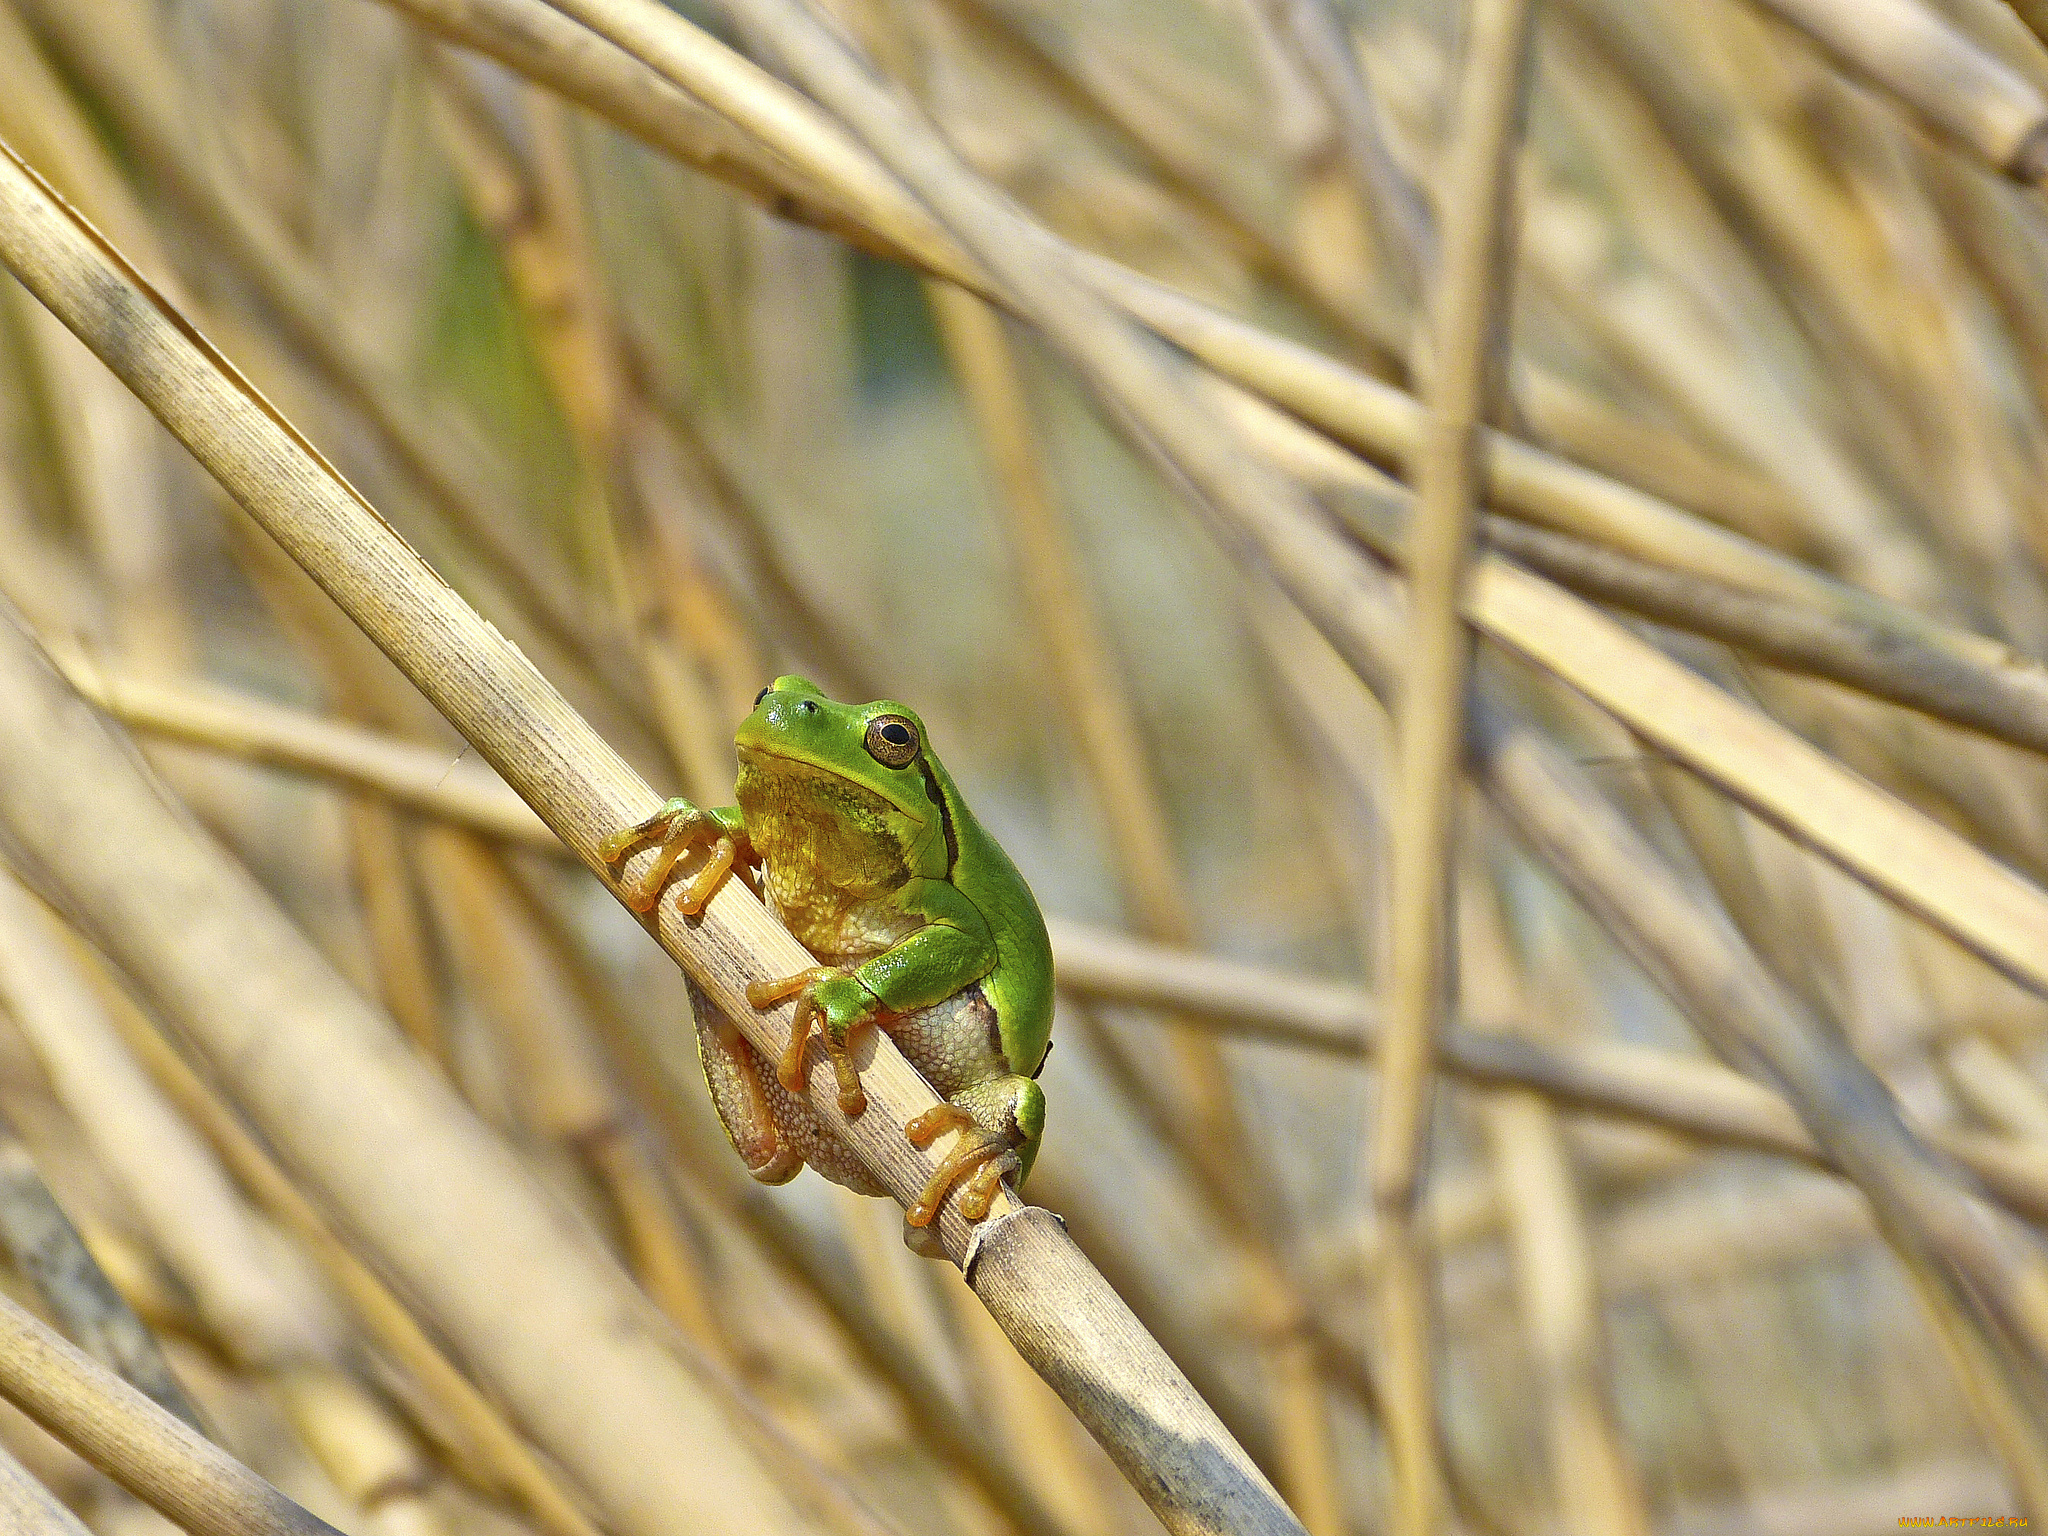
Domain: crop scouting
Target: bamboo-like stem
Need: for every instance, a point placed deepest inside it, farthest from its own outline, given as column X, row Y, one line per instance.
column 2004, row 703
column 955, row 1436
column 1039, row 1430
column 1690, row 1095
column 1120, row 1384
column 1320, row 39
column 441, row 1200
column 395, row 924
column 1697, row 1098
column 46, row 1247
column 160, row 1459
column 369, row 1456
column 1694, row 1097
column 713, row 1180
column 531, row 208
column 1429, row 720
column 1999, row 916
column 265, row 1316
column 186, row 1204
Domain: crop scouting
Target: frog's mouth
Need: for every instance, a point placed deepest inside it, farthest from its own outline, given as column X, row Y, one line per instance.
column 754, row 755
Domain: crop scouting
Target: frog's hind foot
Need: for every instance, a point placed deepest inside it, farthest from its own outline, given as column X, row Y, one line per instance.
column 678, row 827
column 981, row 1159
column 732, row 1071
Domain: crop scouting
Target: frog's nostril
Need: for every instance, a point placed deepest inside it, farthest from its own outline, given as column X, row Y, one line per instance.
column 808, row 707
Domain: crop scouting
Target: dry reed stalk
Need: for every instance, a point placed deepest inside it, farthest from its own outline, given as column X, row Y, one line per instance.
column 1997, row 1088
column 1081, row 67
column 47, row 1249
column 146, row 102
column 1321, row 41
column 691, row 58
column 1037, row 1425
column 1703, row 967
column 1983, row 904
column 556, row 1078
column 1282, row 1312
column 1097, row 709
column 569, row 1280
column 1477, row 215
column 1596, row 1483
column 28, row 1508
column 160, row 1459
column 505, row 1457
column 1063, row 1317
column 714, row 1180
column 395, row 924
column 1372, row 416
column 266, row 1316
column 530, row 208
column 2006, row 704
column 1689, row 1095
column 184, row 1200
column 1917, row 56
column 958, row 1438
column 531, row 40
column 374, row 1463
column 430, row 780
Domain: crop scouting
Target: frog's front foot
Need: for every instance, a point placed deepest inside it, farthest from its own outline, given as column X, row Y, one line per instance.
column 826, row 995
column 980, row 1158
column 678, row 826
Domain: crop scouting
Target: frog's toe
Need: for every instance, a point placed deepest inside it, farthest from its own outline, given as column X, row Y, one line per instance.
column 926, row 1128
column 678, row 827
column 983, row 1184
column 978, row 1153
column 766, row 994
column 660, row 824
column 853, row 1099
column 698, row 888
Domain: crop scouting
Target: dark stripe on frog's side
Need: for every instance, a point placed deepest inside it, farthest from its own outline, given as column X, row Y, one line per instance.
column 931, row 787
column 994, row 1024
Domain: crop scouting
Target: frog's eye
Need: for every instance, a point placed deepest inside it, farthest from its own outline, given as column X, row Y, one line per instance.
column 891, row 740
column 762, row 695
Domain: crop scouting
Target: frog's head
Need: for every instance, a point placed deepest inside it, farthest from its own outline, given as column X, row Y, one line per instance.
column 878, row 747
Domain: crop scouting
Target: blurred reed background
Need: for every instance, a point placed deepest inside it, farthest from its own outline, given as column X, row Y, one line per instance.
column 1778, row 330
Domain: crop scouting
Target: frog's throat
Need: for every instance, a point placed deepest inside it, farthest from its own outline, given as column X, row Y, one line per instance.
column 917, row 813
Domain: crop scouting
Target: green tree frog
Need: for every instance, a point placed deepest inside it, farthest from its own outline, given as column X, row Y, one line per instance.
column 921, row 926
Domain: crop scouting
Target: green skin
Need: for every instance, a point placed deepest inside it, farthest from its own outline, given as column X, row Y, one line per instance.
column 881, row 869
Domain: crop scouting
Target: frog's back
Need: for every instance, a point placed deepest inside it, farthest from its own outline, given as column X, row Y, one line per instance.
column 1021, row 985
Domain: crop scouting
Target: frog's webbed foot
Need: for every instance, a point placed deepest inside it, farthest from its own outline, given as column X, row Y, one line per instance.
column 980, row 1158
column 810, row 1013
column 678, row 826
